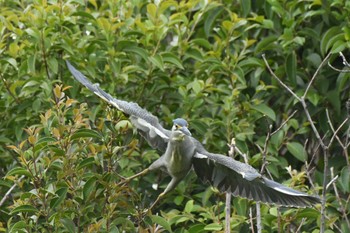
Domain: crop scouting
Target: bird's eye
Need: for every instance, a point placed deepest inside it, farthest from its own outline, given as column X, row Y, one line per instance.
column 177, row 126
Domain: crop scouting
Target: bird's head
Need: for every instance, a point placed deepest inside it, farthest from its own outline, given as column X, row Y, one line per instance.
column 180, row 128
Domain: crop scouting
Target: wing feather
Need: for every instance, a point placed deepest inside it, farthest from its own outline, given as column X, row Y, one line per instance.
column 242, row 180
column 146, row 123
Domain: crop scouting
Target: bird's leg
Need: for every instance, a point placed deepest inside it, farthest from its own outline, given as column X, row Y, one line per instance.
column 154, row 166
column 156, row 201
column 174, row 181
column 126, row 180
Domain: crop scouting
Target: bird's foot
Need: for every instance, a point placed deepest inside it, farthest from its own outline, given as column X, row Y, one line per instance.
column 146, row 211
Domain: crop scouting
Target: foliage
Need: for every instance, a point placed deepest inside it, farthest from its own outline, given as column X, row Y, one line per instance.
column 196, row 59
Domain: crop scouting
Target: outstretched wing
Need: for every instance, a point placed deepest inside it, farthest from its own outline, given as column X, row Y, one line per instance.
column 242, row 180
column 146, row 123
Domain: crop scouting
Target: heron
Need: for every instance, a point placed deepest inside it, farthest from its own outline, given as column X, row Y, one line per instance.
column 181, row 152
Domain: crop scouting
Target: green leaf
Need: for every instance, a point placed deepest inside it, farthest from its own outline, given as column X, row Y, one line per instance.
column 53, row 64
column 309, row 213
column 201, row 42
column 196, row 228
column 24, row 209
column 171, row 58
column 265, row 110
column 161, row 221
column 152, row 10
column 291, row 68
column 42, row 142
column 137, row 50
column 189, row 206
column 195, row 54
column 267, row 43
column 157, row 61
column 61, row 195
column 86, row 133
column 344, row 180
column 329, row 39
column 86, row 162
column 18, row 227
column 5, row 140
column 84, row 14
column 338, row 46
column 31, row 63
column 297, row 150
column 89, row 186
column 210, row 19
column 12, row 62
column 19, row 171
column 246, row 7
column 213, row 227
column 68, row 224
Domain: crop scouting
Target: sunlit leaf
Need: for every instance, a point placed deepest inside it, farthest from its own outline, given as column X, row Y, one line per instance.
column 213, row 227
column 161, row 221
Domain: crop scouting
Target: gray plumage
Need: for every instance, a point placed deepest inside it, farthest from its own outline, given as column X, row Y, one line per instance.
column 182, row 152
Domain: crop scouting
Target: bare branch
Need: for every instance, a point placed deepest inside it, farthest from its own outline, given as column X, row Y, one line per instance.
column 231, row 153
column 8, row 193
column 325, row 148
column 342, row 208
column 345, row 62
column 338, row 70
column 258, row 212
column 301, row 224
column 279, row 80
column 285, row 122
column 335, row 131
column 334, row 179
column 228, row 212
column 315, row 74
column 344, row 146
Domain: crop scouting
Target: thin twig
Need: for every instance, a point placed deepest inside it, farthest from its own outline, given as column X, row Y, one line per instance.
column 251, row 220
column 7, row 87
column 301, row 224
column 344, row 147
column 345, row 62
column 7, row 194
column 245, row 157
column 231, row 153
column 333, row 180
column 279, row 80
column 315, row 74
column 342, row 208
column 264, row 151
column 338, row 70
column 284, row 122
column 258, row 218
column 308, row 174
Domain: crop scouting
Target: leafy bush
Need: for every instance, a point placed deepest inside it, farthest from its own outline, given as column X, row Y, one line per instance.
column 62, row 159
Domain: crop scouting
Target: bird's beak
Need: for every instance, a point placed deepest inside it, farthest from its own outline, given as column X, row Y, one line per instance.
column 185, row 130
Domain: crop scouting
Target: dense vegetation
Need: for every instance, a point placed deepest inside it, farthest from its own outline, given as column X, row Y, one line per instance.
column 63, row 150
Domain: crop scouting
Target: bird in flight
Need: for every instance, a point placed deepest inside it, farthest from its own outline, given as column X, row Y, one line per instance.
column 182, row 152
